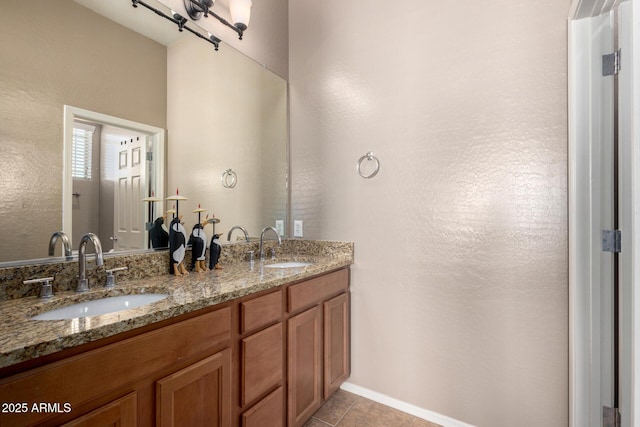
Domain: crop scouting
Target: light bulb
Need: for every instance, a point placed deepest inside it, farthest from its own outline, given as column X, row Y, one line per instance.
column 240, row 13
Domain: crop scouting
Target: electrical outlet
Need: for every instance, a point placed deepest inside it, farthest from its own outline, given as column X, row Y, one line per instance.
column 280, row 227
column 297, row 228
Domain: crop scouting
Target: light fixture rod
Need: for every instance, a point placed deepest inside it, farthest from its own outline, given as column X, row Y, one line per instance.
column 181, row 23
column 203, row 8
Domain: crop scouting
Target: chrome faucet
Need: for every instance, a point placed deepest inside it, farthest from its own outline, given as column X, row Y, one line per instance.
column 264, row 230
column 66, row 243
column 83, row 282
column 237, row 227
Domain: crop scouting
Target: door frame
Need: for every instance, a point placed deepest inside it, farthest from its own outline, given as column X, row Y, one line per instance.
column 584, row 375
column 635, row 183
column 157, row 136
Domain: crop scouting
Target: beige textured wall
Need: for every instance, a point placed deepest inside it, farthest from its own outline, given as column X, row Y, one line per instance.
column 460, row 294
column 62, row 54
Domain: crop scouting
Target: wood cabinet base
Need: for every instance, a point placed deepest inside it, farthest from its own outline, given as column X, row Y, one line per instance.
column 265, row 360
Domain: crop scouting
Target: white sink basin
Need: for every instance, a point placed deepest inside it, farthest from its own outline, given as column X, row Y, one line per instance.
column 290, row 264
column 100, row 306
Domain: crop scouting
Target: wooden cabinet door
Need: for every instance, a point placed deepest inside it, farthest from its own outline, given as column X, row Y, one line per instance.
column 198, row 395
column 336, row 343
column 304, row 354
column 119, row 413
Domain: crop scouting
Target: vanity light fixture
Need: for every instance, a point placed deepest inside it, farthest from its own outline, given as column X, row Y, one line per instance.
column 180, row 21
column 240, row 13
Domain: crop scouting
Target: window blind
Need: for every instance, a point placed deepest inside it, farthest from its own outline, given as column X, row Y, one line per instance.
column 81, row 153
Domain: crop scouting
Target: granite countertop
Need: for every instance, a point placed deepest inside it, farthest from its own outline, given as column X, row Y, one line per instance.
column 22, row 339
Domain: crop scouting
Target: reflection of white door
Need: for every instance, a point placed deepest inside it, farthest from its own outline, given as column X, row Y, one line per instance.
column 129, row 192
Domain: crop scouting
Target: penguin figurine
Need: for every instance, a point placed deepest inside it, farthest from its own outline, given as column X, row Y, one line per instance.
column 158, row 235
column 177, row 240
column 214, row 252
column 198, row 242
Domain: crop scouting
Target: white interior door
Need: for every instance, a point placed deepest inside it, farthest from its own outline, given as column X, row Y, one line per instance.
column 129, row 232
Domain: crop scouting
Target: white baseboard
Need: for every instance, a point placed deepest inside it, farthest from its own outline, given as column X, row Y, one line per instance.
column 430, row 416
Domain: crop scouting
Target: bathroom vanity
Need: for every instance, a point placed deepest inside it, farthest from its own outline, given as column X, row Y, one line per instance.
column 243, row 346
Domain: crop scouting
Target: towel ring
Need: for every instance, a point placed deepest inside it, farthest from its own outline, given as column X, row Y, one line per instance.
column 229, row 179
column 369, row 157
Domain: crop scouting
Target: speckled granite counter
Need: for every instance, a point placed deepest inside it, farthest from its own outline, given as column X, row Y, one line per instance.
column 22, row 339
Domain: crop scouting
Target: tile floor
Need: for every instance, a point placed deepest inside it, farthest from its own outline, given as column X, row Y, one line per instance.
column 346, row 409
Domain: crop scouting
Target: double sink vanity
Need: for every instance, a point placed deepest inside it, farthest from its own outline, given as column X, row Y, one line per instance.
column 260, row 343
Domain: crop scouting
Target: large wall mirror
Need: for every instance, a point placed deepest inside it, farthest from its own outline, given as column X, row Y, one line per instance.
column 219, row 111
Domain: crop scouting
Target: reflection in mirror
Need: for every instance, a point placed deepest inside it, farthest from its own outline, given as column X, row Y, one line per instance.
column 244, row 130
column 111, row 166
column 67, row 54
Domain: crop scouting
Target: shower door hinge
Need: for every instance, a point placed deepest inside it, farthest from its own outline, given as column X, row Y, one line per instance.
column 611, row 241
column 611, row 63
column 610, row 417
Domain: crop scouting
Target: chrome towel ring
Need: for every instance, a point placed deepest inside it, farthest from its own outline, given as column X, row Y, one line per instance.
column 369, row 157
column 229, row 178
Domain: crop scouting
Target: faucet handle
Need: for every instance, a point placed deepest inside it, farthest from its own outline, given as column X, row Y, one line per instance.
column 46, row 289
column 111, row 278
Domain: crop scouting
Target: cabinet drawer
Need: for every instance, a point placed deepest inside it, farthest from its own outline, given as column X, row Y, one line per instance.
column 269, row 412
column 262, row 363
column 315, row 290
column 260, row 312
